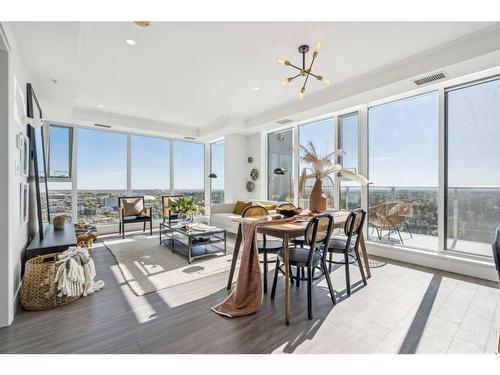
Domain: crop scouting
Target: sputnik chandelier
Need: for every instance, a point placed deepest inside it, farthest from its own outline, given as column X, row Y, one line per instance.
column 304, row 72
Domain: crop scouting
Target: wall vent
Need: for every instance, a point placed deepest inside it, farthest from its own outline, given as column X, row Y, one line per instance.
column 102, row 126
column 190, row 138
column 284, row 121
column 429, row 79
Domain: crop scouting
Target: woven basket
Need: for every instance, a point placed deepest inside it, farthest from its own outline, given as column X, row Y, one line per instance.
column 39, row 292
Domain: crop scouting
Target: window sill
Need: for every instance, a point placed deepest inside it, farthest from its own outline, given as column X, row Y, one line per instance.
column 464, row 265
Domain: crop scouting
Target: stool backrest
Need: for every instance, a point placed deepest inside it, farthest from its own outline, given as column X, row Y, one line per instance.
column 317, row 233
column 354, row 225
column 253, row 211
column 496, row 252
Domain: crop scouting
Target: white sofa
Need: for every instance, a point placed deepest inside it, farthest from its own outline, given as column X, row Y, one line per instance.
column 221, row 215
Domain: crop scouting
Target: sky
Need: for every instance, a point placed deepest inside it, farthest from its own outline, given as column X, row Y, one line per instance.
column 403, row 142
column 102, row 162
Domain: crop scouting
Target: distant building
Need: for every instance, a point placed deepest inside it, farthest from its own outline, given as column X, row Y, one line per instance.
column 106, row 210
column 110, row 202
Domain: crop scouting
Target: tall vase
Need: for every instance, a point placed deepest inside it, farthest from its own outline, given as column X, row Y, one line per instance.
column 317, row 199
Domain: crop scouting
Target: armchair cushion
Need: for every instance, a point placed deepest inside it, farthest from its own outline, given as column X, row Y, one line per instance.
column 132, row 206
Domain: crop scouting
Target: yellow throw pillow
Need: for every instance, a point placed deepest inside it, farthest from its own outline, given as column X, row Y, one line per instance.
column 240, row 206
column 268, row 206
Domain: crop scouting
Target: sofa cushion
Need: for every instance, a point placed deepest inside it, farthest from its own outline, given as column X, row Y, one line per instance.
column 225, row 221
column 240, row 206
column 267, row 206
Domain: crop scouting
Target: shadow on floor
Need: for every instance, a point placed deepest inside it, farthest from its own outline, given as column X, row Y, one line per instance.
column 410, row 343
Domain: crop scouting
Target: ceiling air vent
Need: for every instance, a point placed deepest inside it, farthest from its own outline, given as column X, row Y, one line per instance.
column 190, row 138
column 102, row 126
column 284, row 121
column 429, row 79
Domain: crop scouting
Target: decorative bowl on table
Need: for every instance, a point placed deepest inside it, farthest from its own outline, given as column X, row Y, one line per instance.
column 289, row 211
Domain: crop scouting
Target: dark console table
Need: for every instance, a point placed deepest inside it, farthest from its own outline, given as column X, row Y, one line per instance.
column 54, row 241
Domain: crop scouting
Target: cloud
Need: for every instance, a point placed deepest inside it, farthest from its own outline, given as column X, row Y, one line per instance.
column 382, row 158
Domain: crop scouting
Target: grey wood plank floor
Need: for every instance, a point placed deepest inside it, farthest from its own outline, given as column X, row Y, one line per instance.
column 404, row 309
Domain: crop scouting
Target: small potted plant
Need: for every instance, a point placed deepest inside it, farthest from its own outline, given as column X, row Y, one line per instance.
column 186, row 207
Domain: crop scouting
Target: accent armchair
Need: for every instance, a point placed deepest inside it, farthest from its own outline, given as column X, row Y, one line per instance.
column 133, row 210
column 167, row 211
column 389, row 216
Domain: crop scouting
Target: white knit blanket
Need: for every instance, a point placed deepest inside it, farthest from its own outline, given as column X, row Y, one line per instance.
column 76, row 272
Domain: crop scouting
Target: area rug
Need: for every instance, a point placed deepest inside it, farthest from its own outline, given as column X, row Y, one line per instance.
column 148, row 266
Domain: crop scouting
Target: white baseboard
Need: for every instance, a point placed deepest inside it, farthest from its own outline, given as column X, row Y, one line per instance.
column 482, row 269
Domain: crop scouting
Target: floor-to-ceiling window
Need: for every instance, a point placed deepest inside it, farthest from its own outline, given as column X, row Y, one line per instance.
column 317, row 137
column 473, row 165
column 350, row 191
column 59, row 170
column 102, row 175
column 189, row 170
column 217, row 172
column 280, row 165
column 150, row 170
column 403, row 168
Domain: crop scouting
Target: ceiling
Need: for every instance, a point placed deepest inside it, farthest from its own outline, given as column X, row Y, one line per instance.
column 191, row 74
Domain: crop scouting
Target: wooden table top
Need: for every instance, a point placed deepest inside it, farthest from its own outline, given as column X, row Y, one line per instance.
column 339, row 218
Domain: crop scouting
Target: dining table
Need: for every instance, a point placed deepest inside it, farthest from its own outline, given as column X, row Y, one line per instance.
column 286, row 232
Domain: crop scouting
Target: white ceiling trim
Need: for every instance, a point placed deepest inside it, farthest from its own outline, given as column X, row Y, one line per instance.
column 123, row 122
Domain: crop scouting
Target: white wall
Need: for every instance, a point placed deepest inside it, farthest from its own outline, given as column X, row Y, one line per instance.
column 237, row 149
column 13, row 233
column 235, row 167
column 256, row 147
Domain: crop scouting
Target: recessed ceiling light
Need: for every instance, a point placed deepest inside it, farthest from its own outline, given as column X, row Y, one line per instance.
column 256, row 88
column 100, row 106
column 130, row 42
column 190, row 122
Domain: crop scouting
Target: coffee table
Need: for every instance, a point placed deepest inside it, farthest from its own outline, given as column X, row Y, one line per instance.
column 192, row 244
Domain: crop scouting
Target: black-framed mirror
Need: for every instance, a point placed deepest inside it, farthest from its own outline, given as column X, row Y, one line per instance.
column 38, row 166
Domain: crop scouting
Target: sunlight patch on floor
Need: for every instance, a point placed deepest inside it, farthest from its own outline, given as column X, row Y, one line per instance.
column 140, row 306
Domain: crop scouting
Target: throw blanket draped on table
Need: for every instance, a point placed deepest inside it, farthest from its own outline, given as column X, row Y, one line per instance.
column 246, row 297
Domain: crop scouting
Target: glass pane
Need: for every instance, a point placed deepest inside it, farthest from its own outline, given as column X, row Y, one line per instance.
column 189, row 170
column 59, row 151
column 217, row 167
column 280, row 159
column 473, row 205
column 102, row 175
column 350, row 192
column 60, row 199
column 150, row 170
column 319, row 136
column 403, row 200
column 39, row 141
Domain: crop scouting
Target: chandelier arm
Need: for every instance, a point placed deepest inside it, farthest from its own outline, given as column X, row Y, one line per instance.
column 292, row 78
column 305, row 82
column 312, row 62
column 314, row 75
column 293, row 66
